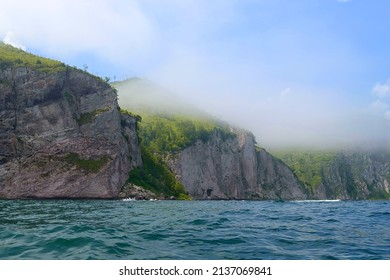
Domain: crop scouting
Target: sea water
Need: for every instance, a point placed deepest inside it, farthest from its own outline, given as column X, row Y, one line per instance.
column 104, row 229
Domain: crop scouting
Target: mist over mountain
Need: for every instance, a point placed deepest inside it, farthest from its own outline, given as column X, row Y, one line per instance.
column 157, row 144
column 147, row 96
column 350, row 132
column 336, row 156
column 142, row 96
column 321, row 129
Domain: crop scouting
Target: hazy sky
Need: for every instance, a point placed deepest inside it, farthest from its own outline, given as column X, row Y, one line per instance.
column 287, row 70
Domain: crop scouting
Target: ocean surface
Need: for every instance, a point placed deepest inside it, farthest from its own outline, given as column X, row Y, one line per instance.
column 101, row 229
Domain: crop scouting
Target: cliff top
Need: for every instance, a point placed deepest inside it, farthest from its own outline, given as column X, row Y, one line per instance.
column 168, row 122
column 14, row 57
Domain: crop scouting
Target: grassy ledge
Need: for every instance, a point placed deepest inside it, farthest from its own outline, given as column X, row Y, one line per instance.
column 13, row 57
column 88, row 165
column 90, row 116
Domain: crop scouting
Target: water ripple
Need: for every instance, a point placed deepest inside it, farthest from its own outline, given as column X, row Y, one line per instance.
column 96, row 229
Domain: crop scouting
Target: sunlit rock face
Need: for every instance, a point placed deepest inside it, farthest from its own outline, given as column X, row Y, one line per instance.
column 62, row 136
column 356, row 175
column 233, row 169
column 356, row 166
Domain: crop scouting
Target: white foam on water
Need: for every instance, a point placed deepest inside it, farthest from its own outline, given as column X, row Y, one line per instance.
column 319, row 200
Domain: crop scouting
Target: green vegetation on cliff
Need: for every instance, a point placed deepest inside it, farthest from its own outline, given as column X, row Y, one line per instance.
column 165, row 126
column 344, row 174
column 90, row 116
column 168, row 123
column 309, row 166
column 160, row 135
column 378, row 195
column 13, row 57
column 89, row 165
column 165, row 133
column 156, row 176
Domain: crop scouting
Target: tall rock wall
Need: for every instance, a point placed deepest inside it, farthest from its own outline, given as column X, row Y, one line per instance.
column 61, row 136
column 356, row 175
column 231, row 168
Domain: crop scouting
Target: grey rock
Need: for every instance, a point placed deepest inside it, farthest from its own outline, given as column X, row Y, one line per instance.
column 356, row 175
column 61, row 136
column 232, row 169
column 136, row 192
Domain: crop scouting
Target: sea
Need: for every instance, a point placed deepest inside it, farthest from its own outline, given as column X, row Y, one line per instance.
column 194, row 230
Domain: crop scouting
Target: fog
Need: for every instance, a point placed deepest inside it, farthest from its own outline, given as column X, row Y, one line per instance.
column 295, row 73
column 283, row 121
column 284, row 114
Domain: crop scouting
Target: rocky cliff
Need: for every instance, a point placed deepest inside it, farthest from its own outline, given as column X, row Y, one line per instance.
column 62, row 135
column 208, row 157
column 233, row 168
column 341, row 174
column 213, row 161
column 356, row 175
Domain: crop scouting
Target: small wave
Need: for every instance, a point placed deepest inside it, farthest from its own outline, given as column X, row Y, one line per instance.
column 198, row 222
column 98, row 229
column 319, row 200
column 301, row 218
column 154, row 236
column 134, row 199
column 225, row 241
column 375, row 214
column 332, row 221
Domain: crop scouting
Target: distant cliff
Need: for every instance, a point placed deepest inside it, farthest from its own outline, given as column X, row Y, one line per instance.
column 61, row 133
column 341, row 174
column 356, row 175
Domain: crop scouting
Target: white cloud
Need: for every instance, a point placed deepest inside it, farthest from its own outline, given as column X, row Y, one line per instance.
column 110, row 30
column 382, row 90
column 178, row 43
column 10, row 39
column 134, row 30
column 378, row 107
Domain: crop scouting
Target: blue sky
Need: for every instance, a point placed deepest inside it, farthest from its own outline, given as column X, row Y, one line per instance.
column 279, row 68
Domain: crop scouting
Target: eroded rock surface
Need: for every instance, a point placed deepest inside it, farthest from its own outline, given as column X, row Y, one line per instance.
column 62, row 136
column 232, row 168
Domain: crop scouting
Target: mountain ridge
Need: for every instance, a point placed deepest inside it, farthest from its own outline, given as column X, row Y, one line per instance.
column 214, row 160
column 323, row 174
column 63, row 135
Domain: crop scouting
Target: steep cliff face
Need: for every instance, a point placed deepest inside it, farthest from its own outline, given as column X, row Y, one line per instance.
column 213, row 162
column 209, row 158
column 341, row 174
column 277, row 179
column 231, row 168
column 61, row 135
column 356, row 175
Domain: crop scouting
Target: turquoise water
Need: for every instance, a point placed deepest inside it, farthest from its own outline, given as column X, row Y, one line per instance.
column 98, row 229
